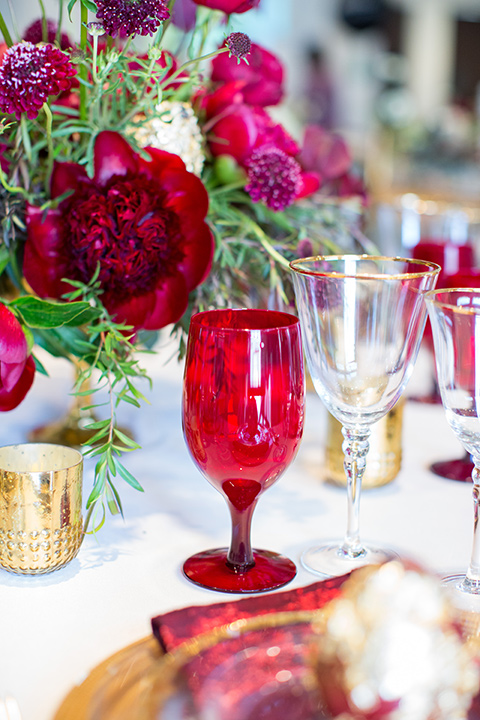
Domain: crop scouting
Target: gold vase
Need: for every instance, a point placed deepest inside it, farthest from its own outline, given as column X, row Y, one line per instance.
column 384, row 458
column 70, row 429
column 41, row 524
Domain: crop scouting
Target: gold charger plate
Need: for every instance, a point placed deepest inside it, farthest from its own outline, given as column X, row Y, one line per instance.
column 119, row 688
column 134, row 683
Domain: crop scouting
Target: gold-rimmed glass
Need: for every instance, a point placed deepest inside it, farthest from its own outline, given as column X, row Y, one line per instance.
column 362, row 320
column 455, row 319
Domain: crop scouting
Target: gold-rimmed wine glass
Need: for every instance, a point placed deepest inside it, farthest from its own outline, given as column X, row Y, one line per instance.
column 362, row 320
column 455, row 318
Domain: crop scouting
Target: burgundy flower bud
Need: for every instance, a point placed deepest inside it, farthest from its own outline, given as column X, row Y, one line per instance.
column 239, row 45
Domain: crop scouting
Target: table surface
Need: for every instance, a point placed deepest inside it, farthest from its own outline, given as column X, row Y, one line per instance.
column 55, row 628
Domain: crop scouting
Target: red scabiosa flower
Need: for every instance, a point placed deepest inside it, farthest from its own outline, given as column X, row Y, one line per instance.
column 262, row 79
column 141, row 222
column 34, row 34
column 17, row 367
column 131, row 17
column 229, row 6
column 239, row 45
column 29, row 74
column 274, row 178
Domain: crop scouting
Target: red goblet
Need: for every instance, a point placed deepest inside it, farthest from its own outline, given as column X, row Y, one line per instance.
column 243, row 413
column 452, row 258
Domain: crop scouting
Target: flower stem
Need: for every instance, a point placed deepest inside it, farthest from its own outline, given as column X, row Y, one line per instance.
column 6, row 35
column 48, row 127
column 94, row 58
column 44, row 22
column 266, row 244
column 58, row 36
column 194, row 61
column 82, row 69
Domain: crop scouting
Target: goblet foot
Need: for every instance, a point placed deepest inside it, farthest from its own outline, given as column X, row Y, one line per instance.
column 209, row 569
column 331, row 559
column 459, row 469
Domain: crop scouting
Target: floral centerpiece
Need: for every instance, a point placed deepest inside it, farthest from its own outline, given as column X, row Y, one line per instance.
column 143, row 178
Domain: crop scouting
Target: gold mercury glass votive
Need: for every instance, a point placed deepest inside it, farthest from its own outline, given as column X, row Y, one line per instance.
column 384, row 458
column 41, row 524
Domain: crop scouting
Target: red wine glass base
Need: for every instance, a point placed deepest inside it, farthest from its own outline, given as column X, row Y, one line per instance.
column 209, row 569
column 459, row 469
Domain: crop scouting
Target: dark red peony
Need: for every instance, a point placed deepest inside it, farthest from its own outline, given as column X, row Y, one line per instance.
column 262, row 78
column 17, row 367
column 237, row 128
column 141, row 222
column 229, row 6
column 326, row 154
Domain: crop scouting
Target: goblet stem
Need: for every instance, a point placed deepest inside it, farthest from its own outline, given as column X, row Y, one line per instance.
column 471, row 583
column 240, row 555
column 355, row 447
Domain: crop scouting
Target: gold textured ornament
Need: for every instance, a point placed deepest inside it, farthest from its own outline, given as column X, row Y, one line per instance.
column 41, row 524
column 384, row 458
column 390, row 647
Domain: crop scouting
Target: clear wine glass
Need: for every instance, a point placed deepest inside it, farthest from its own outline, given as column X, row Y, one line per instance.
column 455, row 318
column 362, row 321
column 243, row 414
column 458, row 469
column 452, row 257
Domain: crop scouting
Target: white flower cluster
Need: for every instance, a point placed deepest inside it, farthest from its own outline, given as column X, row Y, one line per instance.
column 174, row 128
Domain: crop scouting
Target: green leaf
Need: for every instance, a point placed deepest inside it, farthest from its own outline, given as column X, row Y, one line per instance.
column 70, row 7
column 129, row 442
column 39, row 313
column 90, row 5
column 98, row 425
column 128, row 477
column 113, row 500
column 98, row 436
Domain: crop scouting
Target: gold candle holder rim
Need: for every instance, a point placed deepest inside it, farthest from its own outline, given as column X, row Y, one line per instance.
column 295, row 265
column 13, row 461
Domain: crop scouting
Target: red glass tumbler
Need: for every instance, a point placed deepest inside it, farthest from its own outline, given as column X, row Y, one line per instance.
column 243, row 414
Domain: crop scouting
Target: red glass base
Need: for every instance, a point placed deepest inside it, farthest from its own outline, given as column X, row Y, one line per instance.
column 209, row 569
column 459, row 469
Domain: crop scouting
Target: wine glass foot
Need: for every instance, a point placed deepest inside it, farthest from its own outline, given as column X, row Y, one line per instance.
column 330, row 560
column 464, row 593
column 459, row 469
column 209, row 569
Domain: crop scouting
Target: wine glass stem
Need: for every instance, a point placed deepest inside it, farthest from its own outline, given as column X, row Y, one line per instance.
column 472, row 579
column 240, row 555
column 355, row 447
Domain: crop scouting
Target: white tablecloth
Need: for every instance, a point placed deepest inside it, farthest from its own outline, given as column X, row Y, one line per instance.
column 55, row 628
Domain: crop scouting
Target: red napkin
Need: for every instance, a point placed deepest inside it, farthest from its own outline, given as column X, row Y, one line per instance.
column 253, row 677
column 175, row 627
